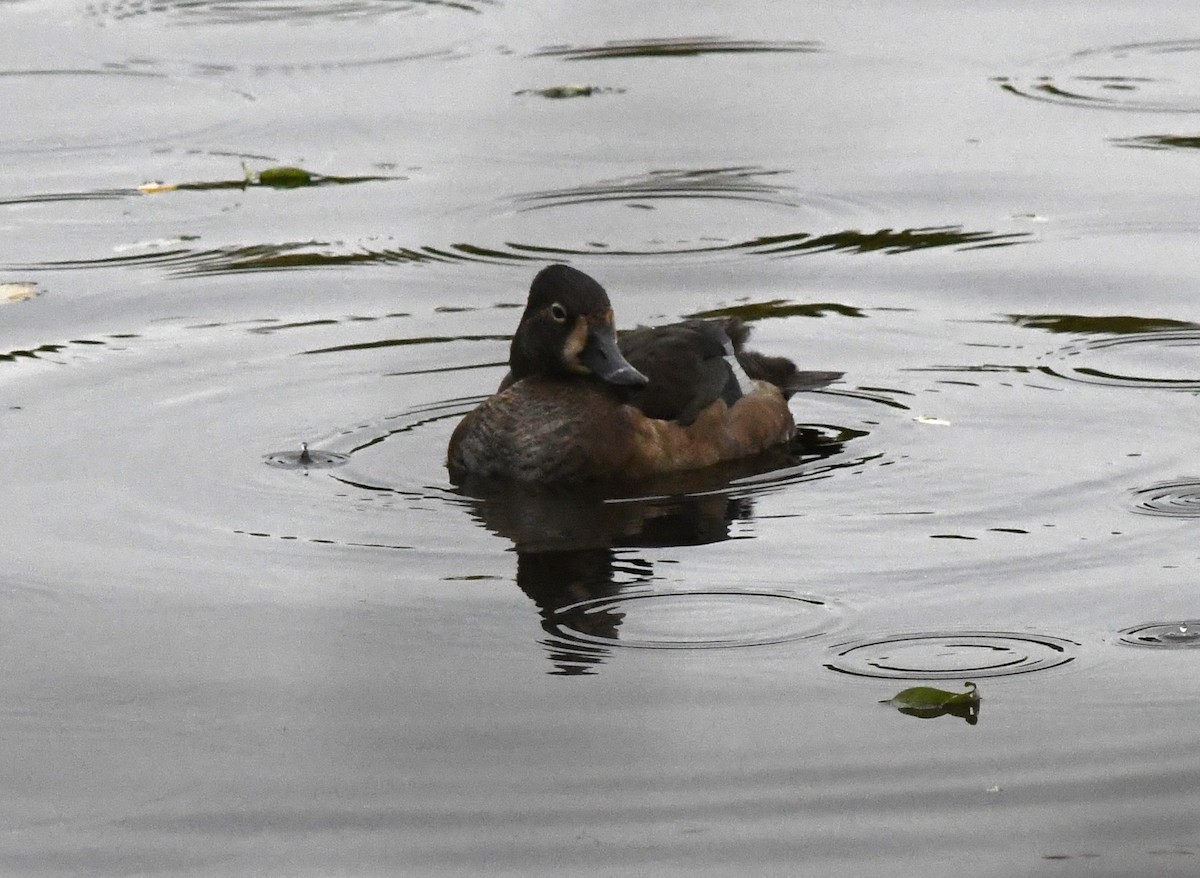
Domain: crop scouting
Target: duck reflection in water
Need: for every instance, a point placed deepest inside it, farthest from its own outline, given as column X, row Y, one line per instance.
column 597, row 441
column 576, row 549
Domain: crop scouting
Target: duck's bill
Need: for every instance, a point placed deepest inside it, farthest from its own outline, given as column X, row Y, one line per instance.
column 604, row 359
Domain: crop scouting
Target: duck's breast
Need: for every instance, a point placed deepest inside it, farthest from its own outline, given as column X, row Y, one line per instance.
column 543, row 431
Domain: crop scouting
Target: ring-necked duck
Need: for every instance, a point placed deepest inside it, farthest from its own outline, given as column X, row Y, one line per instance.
column 582, row 403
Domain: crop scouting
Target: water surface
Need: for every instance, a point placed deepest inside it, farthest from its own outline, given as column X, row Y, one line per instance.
column 225, row 658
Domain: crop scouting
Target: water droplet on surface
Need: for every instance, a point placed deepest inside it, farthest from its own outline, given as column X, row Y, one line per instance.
column 306, row 459
column 1163, row 635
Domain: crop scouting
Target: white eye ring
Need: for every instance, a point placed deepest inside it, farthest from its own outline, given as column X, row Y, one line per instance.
column 558, row 312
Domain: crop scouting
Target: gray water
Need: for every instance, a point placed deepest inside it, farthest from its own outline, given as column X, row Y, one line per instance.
column 218, row 661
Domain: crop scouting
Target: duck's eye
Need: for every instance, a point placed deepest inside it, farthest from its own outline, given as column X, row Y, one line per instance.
column 558, row 312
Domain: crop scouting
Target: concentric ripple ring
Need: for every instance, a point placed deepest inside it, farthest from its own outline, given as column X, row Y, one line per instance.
column 1184, row 634
column 1159, row 360
column 1155, row 77
column 951, row 655
column 713, row 619
column 1179, row 498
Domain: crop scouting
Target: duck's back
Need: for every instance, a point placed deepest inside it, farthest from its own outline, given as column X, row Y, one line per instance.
column 694, row 363
column 687, row 366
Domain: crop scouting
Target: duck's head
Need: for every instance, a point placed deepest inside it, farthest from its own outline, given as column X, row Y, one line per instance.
column 567, row 329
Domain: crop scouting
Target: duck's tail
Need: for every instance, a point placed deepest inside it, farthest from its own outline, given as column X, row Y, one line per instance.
column 780, row 371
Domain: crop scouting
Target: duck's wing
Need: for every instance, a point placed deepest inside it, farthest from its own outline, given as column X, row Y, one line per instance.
column 690, row 367
column 687, row 367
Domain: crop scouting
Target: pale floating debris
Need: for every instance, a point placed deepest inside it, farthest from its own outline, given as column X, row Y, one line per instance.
column 156, row 244
column 937, row 422
column 19, row 291
column 153, row 186
column 994, row 789
column 1031, row 217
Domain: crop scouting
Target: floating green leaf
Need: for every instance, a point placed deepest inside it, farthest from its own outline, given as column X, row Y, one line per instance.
column 928, row 698
column 927, row 702
column 284, row 177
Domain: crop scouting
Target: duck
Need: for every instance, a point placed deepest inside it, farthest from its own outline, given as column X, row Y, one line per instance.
column 582, row 403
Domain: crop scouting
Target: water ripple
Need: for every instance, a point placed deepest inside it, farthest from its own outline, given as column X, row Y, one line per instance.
column 781, row 308
column 729, row 183
column 1164, row 359
column 231, row 12
column 306, row 458
column 677, row 47
column 714, row 619
column 951, row 655
column 1183, row 634
column 890, row 241
column 250, row 180
column 813, row 454
column 791, row 244
column 74, row 350
column 1179, row 498
column 1159, row 141
column 1158, row 77
column 183, row 261
column 116, row 113
column 1098, row 324
column 55, row 197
